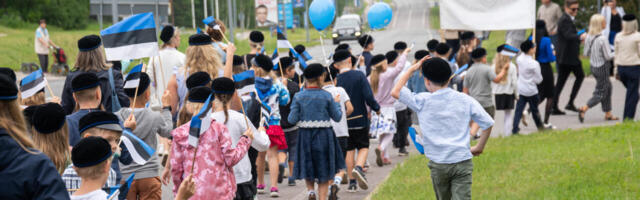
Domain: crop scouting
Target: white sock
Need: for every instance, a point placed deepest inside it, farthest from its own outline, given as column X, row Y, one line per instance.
column 337, row 180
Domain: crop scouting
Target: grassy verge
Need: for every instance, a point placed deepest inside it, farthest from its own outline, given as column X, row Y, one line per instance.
column 592, row 163
column 434, row 17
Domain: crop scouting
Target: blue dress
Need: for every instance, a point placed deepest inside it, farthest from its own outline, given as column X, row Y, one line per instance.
column 319, row 155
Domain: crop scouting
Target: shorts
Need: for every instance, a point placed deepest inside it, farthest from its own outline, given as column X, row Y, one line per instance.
column 292, row 142
column 276, row 136
column 491, row 110
column 358, row 139
column 344, row 142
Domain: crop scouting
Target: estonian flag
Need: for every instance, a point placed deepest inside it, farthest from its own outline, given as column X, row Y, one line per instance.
column 282, row 41
column 197, row 127
column 32, row 84
column 133, row 83
column 509, row 51
column 265, row 112
column 131, row 38
column 301, row 64
column 121, row 190
column 140, row 151
column 275, row 59
column 245, row 82
column 460, row 70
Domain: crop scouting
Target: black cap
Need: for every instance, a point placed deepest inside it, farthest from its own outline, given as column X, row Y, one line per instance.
column 89, row 42
column 28, row 113
column 400, row 46
column 256, row 37
column 238, row 60
column 526, row 46
column 420, row 54
column 377, row 59
column 199, row 94
column 48, row 118
column 443, row 48
column 9, row 72
column 198, row 79
column 167, row 33
column 365, row 40
column 333, row 72
column 285, row 62
column 90, row 151
column 263, row 62
column 313, row 71
column 436, row 70
column 629, row 17
column 467, row 35
column 223, row 85
column 391, row 56
column 341, row 55
column 343, row 46
column 432, row 44
column 84, row 81
column 300, row 49
column 145, row 81
column 478, row 53
column 8, row 88
column 99, row 119
column 199, row 39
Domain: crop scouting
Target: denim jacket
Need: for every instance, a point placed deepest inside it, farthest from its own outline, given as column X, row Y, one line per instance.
column 314, row 108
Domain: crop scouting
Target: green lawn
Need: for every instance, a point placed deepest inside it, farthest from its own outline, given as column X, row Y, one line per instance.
column 593, row 163
column 17, row 45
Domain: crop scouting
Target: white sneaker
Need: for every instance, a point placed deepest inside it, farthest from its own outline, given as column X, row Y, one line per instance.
column 550, row 126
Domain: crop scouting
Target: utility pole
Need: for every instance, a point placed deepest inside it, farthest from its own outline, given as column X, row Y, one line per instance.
column 230, row 11
column 205, row 8
column 306, row 18
column 114, row 11
column 157, row 17
column 100, row 14
column 217, row 10
column 193, row 15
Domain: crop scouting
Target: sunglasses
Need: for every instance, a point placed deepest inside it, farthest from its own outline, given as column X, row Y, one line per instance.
column 574, row 9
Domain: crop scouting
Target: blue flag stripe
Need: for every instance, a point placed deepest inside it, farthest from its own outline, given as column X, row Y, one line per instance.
column 32, row 77
column 137, row 68
column 196, row 122
column 140, row 147
column 135, row 22
column 249, row 74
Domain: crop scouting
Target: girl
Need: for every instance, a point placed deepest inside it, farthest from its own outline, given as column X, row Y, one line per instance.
column 212, row 171
column 256, row 42
column 271, row 94
column 381, row 80
column 545, row 56
column 217, row 36
column 506, row 88
column 31, row 173
column 237, row 123
column 50, row 135
column 597, row 48
column 319, row 156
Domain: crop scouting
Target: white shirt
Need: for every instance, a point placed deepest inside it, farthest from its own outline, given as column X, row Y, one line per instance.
column 170, row 58
column 95, row 195
column 340, row 128
column 236, row 126
column 528, row 75
column 510, row 86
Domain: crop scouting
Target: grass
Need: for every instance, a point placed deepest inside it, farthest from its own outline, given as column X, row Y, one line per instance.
column 17, row 45
column 592, row 163
column 435, row 17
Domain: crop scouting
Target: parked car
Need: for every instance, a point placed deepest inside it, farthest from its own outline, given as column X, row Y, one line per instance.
column 347, row 27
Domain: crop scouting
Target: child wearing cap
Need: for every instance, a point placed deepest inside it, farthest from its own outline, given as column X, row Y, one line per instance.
column 149, row 124
column 91, row 160
column 290, row 130
column 506, row 89
column 319, row 155
column 443, row 114
column 528, row 77
column 49, row 134
column 366, row 42
column 87, row 95
column 256, row 43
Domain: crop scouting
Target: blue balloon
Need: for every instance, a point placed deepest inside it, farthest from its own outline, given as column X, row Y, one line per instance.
column 321, row 13
column 379, row 15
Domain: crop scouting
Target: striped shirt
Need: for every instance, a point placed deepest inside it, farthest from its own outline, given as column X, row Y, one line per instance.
column 598, row 50
column 72, row 181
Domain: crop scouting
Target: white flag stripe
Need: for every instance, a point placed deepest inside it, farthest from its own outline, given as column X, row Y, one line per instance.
column 487, row 14
column 136, row 157
column 284, row 44
column 246, row 89
column 133, row 83
column 30, row 92
column 135, row 51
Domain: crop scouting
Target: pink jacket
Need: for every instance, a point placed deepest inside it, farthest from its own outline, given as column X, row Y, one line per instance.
column 214, row 161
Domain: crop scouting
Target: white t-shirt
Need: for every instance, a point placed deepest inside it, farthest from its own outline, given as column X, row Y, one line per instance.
column 95, row 195
column 340, row 128
column 170, row 58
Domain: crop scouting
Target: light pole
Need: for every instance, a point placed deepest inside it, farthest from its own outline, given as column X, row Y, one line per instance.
column 229, row 11
column 306, row 18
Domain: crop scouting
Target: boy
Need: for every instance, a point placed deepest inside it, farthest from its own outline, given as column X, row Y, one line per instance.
column 91, row 159
column 357, row 87
column 528, row 77
column 87, row 94
column 443, row 51
column 366, row 42
column 290, row 130
column 403, row 116
column 443, row 113
column 146, row 184
column 416, row 82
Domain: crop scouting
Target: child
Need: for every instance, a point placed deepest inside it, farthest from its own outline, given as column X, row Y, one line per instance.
column 340, row 128
column 256, row 42
column 91, row 160
column 528, row 77
column 381, row 81
column 290, row 130
column 416, row 82
column 87, row 95
column 271, row 94
column 319, row 156
column 443, row 114
column 236, row 123
column 149, row 123
column 214, row 159
column 505, row 90
column 366, row 42
column 49, row 134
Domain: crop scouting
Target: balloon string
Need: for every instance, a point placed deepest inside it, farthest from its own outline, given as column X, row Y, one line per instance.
column 324, row 57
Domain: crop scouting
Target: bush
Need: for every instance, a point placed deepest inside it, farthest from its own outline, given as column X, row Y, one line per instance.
column 68, row 14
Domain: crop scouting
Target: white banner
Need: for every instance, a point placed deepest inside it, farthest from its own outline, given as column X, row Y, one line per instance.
column 487, row 14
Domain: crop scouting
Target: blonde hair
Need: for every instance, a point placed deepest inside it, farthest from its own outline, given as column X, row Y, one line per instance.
column 498, row 64
column 595, row 24
column 55, row 145
column 189, row 109
column 12, row 120
column 259, row 72
column 34, row 100
column 176, row 32
column 217, row 35
column 92, row 61
column 202, row 58
column 93, row 172
column 629, row 27
column 374, row 78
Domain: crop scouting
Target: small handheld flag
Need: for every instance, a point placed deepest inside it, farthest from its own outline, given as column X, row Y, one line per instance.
column 198, row 30
column 282, row 40
column 419, row 147
column 275, row 59
column 131, row 38
column 122, row 190
column 509, row 51
column 300, row 59
column 133, row 83
column 245, row 82
column 262, row 50
column 463, row 68
column 140, row 151
column 32, row 84
column 195, row 128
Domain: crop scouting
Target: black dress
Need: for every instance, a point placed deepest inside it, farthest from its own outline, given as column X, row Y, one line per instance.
column 545, row 88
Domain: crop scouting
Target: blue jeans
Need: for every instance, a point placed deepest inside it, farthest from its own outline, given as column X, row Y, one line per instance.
column 630, row 77
column 533, row 107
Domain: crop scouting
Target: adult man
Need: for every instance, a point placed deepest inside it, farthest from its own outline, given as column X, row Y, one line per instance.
column 262, row 12
column 160, row 68
column 550, row 13
column 568, row 49
column 42, row 43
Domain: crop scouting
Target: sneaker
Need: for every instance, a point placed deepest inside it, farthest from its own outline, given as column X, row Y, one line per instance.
column 403, row 152
column 312, row 196
column 280, row 172
column 260, row 188
column 378, row 157
column 274, row 192
column 359, row 174
column 352, row 187
column 292, row 181
column 571, row 107
column 333, row 192
column 550, row 126
column 557, row 111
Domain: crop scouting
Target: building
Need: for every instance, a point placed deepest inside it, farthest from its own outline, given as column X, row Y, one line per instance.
column 125, row 8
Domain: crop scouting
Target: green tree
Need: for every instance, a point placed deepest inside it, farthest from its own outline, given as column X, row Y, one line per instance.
column 68, row 14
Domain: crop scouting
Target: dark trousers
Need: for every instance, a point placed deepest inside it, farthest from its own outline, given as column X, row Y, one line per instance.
column 253, row 156
column 630, row 77
column 602, row 93
column 44, row 62
column 533, row 107
column 563, row 73
column 403, row 122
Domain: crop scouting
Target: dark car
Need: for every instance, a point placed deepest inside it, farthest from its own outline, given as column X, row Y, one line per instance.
column 347, row 27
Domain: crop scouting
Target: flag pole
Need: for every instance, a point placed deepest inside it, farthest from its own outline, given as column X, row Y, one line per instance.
column 135, row 97
column 161, row 77
column 246, row 123
column 223, row 36
column 324, row 54
column 193, row 163
column 50, row 90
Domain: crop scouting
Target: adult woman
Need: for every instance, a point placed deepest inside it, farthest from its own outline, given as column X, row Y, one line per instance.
column 217, row 35
column 505, row 90
column 627, row 58
column 50, row 134
column 26, row 173
column 545, row 56
column 613, row 17
column 597, row 48
column 91, row 59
